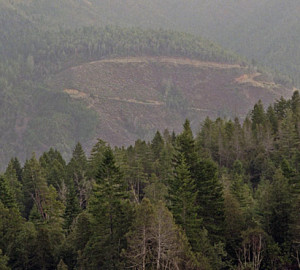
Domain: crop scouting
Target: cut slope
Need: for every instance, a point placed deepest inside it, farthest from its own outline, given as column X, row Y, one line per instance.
column 135, row 96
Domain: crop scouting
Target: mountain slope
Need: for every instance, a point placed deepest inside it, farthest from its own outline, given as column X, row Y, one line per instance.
column 36, row 115
column 35, row 48
column 135, row 96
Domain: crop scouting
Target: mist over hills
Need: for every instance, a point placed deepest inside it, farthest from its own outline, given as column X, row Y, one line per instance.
column 40, row 40
column 96, row 169
column 266, row 31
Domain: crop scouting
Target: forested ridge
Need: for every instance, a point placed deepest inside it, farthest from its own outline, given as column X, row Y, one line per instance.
column 227, row 198
column 266, row 31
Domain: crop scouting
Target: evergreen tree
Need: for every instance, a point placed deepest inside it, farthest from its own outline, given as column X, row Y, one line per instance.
column 15, row 184
column 3, row 261
column 210, row 198
column 276, row 208
column 18, row 168
column 76, row 241
column 111, row 215
column 258, row 118
column 78, row 173
column 72, row 207
column 157, row 145
column 281, row 107
column 183, row 196
column 295, row 105
column 6, row 196
column 55, row 169
column 272, row 118
column 258, row 115
column 24, row 248
column 238, row 188
column 185, row 144
column 34, row 183
column 95, row 158
column 62, row 265
column 235, row 223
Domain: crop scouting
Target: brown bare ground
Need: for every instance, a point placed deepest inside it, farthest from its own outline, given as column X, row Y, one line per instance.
column 128, row 93
column 168, row 60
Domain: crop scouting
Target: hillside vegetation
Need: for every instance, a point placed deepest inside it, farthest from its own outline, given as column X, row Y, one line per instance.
column 266, row 31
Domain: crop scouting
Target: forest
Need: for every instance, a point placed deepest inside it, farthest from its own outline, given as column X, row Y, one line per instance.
column 225, row 198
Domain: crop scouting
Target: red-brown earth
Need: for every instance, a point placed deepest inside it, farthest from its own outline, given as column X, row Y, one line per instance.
column 129, row 94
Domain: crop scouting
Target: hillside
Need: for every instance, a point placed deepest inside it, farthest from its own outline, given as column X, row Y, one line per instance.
column 36, row 115
column 35, row 47
column 135, row 96
column 266, row 31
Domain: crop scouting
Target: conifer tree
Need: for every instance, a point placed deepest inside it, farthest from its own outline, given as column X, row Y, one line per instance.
column 34, row 187
column 281, row 107
column 72, row 207
column 183, row 195
column 78, row 173
column 10, row 226
column 157, row 145
column 62, row 265
column 288, row 139
column 95, row 158
column 111, row 215
column 258, row 118
column 185, row 144
column 276, row 208
column 18, row 168
column 3, row 262
column 55, row 169
column 295, row 105
column 15, row 184
column 165, row 166
column 273, row 119
column 6, row 196
column 238, row 188
column 24, row 247
column 210, row 198
column 80, row 233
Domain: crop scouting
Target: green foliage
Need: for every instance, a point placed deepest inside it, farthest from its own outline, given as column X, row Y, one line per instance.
column 183, row 195
column 3, row 261
column 14, row 181
column 77, row 171
column 224, row 200
column 210, row 198
column 110, row 209
column 6, row 196
column 72, row 207
column 62, row 265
